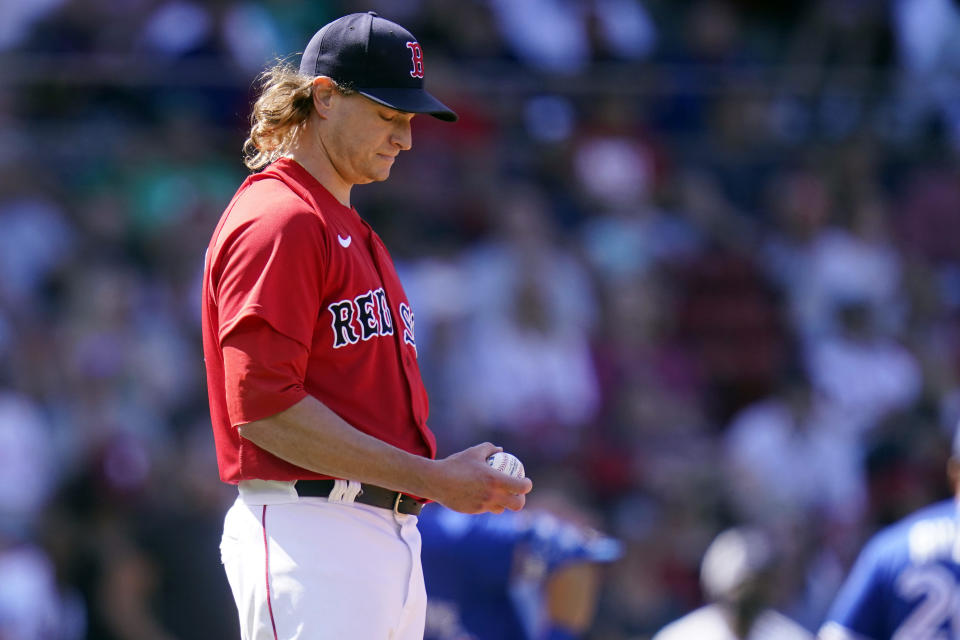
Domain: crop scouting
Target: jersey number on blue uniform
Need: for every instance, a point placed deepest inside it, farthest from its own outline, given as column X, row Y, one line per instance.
column 939, row 597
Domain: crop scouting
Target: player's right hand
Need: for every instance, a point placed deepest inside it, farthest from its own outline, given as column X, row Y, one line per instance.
column 468, row 484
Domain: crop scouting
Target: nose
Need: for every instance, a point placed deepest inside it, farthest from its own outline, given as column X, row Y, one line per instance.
column 402, row 136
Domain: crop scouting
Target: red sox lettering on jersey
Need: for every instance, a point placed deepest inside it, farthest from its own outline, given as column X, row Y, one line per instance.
column 368, row 316
column 406, row 315
column 369, row 313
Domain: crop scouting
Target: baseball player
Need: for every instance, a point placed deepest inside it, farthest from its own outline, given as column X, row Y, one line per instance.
column 905, row 585
column 510, row 576
column 737, row 574
column 318, row 409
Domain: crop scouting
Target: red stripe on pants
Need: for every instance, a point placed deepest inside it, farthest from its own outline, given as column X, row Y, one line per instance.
column 266, row 565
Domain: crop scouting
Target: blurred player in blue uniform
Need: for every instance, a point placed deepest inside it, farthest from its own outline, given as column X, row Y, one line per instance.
column 905, row 585
column 512, row 576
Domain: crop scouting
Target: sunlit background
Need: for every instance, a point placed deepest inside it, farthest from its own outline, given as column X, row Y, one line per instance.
column 697, row 263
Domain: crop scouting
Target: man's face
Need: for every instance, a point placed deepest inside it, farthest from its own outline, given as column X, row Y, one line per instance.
column 362, row 138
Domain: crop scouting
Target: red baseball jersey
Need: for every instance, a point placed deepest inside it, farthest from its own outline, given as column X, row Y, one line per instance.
column 301, row 297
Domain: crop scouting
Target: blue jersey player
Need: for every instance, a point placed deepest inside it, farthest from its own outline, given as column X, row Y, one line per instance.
column 905, row 585
column 513, row 576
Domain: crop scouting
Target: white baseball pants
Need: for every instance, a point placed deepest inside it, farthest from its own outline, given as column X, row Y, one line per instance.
column 318, row 569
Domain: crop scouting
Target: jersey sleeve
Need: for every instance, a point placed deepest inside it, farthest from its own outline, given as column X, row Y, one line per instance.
column 860, row 607
column 263, row 371
column 271, row 267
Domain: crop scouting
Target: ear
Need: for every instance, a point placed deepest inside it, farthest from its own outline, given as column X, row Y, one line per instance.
column 323, row 95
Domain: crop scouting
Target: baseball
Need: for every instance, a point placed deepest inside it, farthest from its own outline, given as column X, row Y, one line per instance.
column 506, row 463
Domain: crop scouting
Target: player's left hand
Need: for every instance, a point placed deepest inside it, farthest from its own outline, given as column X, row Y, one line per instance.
column 466, row 483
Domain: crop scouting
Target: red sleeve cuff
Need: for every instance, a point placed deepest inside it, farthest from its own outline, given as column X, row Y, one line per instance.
column 264, row 371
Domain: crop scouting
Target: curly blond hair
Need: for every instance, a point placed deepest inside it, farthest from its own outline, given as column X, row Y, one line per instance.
column 284, row 104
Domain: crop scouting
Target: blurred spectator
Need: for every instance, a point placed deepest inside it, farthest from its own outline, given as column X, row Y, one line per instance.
column 36, row 241
column 739, row 579
column 28, row 464
column 927, row 215
column 831, row 62
column 618, row 171
column 857, row 262
column 862, row 372
column 547, row 34
column 89, row 530
column 253, row 36
column 789, row 456
column 176, row 28
column 18, row 18
column 728, row 316
column 800, row 206
column 654, row 418
column 556, row 35
column 929, row 56
column 522, row 368
column 31, row 606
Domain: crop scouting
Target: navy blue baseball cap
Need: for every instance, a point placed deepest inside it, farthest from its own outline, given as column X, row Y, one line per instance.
column 378, row 58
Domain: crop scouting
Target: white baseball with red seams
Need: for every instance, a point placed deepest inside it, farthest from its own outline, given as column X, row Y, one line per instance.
column 506, row 463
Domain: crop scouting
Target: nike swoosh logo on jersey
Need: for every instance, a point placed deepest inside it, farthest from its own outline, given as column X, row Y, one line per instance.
column 344, row 242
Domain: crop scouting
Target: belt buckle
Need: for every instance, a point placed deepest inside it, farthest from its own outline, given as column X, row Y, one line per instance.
column 396, row 503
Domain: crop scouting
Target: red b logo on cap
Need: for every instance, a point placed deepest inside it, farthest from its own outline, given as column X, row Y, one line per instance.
column 417, row 54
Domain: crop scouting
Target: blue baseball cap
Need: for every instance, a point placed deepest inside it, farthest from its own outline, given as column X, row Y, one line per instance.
column 377, row 58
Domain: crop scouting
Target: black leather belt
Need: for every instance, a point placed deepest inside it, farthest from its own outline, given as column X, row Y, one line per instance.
column 369, row 494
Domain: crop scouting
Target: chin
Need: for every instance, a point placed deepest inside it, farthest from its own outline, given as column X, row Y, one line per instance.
column 373, row 177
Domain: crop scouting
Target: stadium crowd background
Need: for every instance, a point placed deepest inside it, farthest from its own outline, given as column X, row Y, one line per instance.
column 696, row 263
